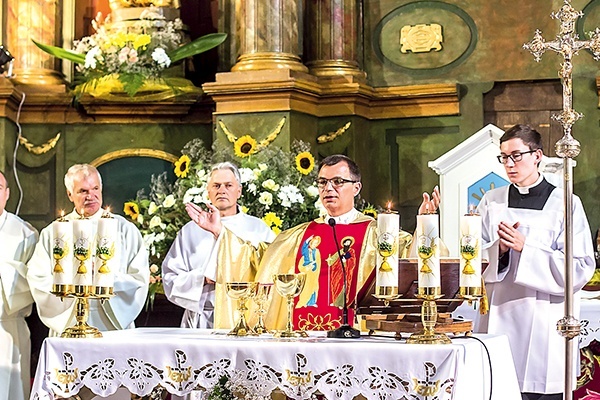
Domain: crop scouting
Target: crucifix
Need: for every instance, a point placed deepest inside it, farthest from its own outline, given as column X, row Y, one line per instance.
column 567, row 44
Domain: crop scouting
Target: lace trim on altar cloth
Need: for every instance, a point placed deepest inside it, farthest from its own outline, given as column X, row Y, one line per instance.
column 256, row 379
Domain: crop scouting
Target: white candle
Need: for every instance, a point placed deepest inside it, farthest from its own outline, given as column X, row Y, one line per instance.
column 62, row 252
column 388, row 228
column 106, row 255
column 470, row 250
column 82, row 238
column 428, row 251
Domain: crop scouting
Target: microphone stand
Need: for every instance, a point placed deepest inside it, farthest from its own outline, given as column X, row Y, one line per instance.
column 345, row 331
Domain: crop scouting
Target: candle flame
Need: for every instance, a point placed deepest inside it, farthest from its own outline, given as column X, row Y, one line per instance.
column 389, row 206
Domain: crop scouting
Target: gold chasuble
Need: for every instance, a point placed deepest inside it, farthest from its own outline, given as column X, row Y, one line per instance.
column 310, row 248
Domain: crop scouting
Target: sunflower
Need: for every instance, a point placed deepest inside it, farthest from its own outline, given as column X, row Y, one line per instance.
column 273, row 221
column 370, row 211
column 305, row 163
column 182, row 166
column 245, row 146
column 132, row 209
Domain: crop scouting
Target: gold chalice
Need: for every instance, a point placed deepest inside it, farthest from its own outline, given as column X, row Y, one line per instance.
column 262, row 295
column 241, row 291
column 290, row 286
column 386, row 246
column 426, row 250
column 468, row 251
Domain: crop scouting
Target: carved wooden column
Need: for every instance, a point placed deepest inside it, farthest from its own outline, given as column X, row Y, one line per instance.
column 269, row 35
column 41, row 21
column 333, row 32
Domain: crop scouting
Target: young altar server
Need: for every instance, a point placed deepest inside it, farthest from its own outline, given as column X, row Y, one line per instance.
column 524, row 233
column 18, row 240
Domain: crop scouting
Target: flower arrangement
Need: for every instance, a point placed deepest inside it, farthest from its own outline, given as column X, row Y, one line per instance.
column 232, row 388
column 277, row 186
column 134, row 57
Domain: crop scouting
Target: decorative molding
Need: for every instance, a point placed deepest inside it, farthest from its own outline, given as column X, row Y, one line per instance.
column 286, row 90
column 41, row 149
column 151, row 153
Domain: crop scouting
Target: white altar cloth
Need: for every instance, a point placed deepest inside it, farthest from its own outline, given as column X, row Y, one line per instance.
column 182, row 359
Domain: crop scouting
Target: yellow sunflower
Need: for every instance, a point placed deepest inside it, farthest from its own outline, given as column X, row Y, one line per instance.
column 182, row 166
column 244, row 146
column 305, row 163
column 132, row 209
column 273, row 221
column 370, row 211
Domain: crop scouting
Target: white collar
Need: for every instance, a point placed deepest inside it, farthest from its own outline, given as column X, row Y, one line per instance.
column 525, row 189
column 346, row 218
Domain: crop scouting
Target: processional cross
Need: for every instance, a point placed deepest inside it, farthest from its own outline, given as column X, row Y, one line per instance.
column 567, row 44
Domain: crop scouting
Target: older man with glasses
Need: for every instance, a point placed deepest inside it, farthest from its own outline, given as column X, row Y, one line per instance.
column 523, row 235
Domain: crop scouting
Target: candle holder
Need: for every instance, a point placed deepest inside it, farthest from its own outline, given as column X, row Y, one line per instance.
column 429, row 315
column 81, row 329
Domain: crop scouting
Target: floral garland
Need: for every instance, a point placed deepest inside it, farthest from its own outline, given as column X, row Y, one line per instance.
column 247, row 145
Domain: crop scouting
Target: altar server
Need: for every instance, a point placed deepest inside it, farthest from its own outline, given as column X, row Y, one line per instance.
column 18, row 240
column 524, row 233
column 190, row 268
column 84, row 189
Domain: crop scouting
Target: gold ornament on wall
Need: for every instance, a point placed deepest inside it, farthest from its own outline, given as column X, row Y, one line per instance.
column 249, row 141
column 41, row 149
column 421, row 38
column 331, row 136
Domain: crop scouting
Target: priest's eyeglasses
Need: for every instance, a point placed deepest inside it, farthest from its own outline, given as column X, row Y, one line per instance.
column 515, row 157
column 335, row 182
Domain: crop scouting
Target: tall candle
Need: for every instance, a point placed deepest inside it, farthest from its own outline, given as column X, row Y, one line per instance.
column 428, row 251
column 106, row 255
column 388, row 227
column 82, row 238
column 62, row 253
column 470, row 250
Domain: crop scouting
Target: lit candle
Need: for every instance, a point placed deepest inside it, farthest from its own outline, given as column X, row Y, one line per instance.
column 428, row 251
column 62, row 253
column 388, row 227
column 106, row 253
column 470, row 249
column 83, row 238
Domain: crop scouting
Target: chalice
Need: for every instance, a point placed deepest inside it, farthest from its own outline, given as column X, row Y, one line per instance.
column 262, row 295
column 241, row 291
column 386, row 246
column 290, row 286
column 426, row 250
column 468, row 251
column 82, row 254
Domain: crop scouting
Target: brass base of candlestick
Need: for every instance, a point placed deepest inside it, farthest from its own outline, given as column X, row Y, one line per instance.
column 470, row 292
column 101, row 291
column 62, row 290
column 429, row 317
column 386, row 294
column 82, row 290
column 290, row 334
column 81, row 329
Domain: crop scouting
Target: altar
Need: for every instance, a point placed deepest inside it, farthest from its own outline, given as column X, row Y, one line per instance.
column 180, row 360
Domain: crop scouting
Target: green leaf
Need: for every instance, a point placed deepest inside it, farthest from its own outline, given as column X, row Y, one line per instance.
column 198, row 46
column 61, row 53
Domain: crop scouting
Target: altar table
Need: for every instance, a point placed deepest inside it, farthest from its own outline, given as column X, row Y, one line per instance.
column 377, row 367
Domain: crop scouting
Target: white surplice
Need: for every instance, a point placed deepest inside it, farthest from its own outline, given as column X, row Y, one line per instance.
column 193, row 257
column 527, row 298
column 17, row 241
column 130, row 287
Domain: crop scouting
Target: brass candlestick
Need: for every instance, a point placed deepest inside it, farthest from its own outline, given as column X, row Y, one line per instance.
column 429, row 316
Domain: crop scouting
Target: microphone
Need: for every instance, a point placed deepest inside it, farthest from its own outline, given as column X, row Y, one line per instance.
column 345, row 331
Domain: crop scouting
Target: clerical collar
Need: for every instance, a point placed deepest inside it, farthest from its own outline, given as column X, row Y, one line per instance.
column 525, row 189
column 346, row 218
column 535, row 198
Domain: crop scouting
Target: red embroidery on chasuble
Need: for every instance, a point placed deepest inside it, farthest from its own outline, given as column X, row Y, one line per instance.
column 319, row 306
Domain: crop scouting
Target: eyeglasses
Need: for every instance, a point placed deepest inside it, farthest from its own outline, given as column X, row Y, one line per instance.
column 515, row 157
column 335, row 182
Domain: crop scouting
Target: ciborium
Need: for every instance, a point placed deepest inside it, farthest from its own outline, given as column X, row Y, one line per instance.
column 241, row 291
column 262, row 295
column 289, row 286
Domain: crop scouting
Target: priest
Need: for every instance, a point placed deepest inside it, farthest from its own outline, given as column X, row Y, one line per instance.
column 524, row 240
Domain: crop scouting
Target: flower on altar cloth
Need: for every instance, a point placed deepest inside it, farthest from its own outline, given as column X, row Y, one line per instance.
column 133, row 57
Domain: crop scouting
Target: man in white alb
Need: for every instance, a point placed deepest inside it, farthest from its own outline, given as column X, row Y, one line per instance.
column 190, row 270
column 17, row 239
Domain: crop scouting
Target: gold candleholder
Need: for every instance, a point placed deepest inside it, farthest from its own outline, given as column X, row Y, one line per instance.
column 429, row 316
column 81, row 329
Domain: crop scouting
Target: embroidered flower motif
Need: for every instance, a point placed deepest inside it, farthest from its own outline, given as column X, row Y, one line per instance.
column 318, row 323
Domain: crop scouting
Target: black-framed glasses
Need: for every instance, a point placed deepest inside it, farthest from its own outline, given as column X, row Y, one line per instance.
column 515, row 157
column 335, row 182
